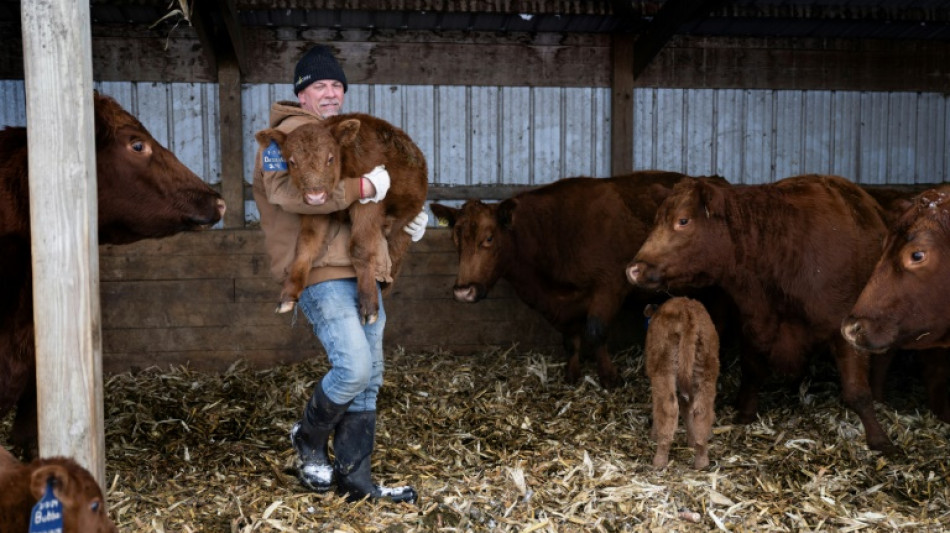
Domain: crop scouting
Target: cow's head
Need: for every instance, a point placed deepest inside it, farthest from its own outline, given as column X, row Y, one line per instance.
column 144, row 191
column 84, row 507
column 904, row 302
column 687, row 245
column 313, row 153
column 482, row 236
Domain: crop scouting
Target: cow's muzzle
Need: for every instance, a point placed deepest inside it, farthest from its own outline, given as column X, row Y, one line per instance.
column 642, row 275
column 857, row 332
column 470, row 293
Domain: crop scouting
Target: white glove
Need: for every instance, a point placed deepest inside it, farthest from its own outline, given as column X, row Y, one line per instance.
column 380, row 180
column 417, row 226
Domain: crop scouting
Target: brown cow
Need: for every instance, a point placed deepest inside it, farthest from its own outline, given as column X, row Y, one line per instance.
column 682, row 360
column 904, row 302
column 21, row 486
column 144, row 191
column 563, row 248
column 348, row 146
column 793, row 255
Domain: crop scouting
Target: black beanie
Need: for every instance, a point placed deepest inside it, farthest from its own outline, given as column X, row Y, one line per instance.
column 317, row 64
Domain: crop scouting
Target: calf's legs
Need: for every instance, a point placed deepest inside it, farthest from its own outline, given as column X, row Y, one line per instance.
column 666, row 410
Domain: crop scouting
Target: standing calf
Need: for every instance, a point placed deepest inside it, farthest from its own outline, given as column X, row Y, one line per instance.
column 682, row 349
column 22, row 485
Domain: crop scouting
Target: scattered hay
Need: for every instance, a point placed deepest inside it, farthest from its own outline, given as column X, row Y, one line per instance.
column 497, row 442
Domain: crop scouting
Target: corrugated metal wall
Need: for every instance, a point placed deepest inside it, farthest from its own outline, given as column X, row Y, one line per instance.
column 524, row 135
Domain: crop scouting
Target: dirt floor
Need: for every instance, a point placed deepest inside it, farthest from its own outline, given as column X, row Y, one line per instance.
column 497, row 442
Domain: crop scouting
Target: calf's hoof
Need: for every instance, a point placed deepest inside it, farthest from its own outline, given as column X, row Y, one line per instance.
column 285, row 306
column 367, row 319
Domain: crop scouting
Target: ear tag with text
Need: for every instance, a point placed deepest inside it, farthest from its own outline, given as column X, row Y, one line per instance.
column 47, row 515
column 271, row 158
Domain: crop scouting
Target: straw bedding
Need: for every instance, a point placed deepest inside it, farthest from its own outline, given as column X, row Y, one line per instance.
column 496, row 441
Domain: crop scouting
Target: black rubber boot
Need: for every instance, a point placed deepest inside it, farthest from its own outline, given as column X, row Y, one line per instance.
column 353, row 446
column 309, row 437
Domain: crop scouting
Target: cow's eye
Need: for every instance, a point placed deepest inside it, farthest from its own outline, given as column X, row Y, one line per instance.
column 917, row 256
column 330, row 160
column 487, row 241
column 682, row 222
column 94, row 506
column 138, row 146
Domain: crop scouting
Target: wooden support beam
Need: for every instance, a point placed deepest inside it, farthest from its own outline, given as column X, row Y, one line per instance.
column 621, row 104
column 232, row 144
column 218, row 29
column 664, row 25
column 57, row 58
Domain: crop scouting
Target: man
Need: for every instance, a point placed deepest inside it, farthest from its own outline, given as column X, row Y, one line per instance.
column 344, row 401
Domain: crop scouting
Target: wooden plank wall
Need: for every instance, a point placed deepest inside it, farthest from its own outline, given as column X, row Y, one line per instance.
column 206, row 299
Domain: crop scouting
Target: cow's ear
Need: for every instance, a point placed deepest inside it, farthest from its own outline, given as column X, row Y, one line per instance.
column 710, row 194
column 264, row 137
column 345, row 132
column 60, row 478
column 659, row 193
column 445, row 215
column 506, row 213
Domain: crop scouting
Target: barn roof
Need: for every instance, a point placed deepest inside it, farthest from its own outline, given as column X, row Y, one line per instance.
column 219, row 23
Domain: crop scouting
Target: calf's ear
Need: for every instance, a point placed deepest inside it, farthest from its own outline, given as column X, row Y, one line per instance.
column 60, row 477
column 445, row 215
column 345, row 132
column 506, row 213
column 264, row 137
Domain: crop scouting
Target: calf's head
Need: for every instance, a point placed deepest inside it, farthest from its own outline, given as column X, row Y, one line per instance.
column 903, row 304
column 144, row 191
column 84, row 507
column 313, row 153
column 482, row 236
column 687, row 246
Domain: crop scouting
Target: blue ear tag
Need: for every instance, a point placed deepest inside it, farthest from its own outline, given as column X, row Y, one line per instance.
column 271, row 159
column 47, row 515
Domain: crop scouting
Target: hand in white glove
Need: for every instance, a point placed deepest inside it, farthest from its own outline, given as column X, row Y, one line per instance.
column 417, row 226
column 380, row 180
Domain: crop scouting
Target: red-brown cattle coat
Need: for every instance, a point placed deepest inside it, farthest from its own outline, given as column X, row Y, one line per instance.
column 21, row 486
column 793, row 255
column 143, row 192
column 563, row 248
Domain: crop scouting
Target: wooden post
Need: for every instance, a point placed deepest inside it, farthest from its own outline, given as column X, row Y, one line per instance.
column 621, row 104
column 57, row 60
column 232, row 143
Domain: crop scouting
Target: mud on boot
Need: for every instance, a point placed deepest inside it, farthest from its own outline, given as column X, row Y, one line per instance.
column 309, row 438
column 353, row 445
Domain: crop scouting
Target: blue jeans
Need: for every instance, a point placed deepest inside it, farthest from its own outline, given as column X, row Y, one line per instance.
column 355, row 351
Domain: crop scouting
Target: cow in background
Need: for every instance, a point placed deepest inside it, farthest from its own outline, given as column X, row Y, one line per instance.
column 682, row 362
column 143, row 192
column 793, row 255
column 904, row 304
column 563, row 248
column 21, row 486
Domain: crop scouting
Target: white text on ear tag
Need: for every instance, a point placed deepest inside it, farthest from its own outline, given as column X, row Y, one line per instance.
column 47, row 515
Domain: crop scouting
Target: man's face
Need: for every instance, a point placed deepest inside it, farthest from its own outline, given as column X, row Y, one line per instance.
column 322, row 97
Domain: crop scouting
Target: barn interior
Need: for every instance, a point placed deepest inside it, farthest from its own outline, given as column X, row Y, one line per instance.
column 198, row 367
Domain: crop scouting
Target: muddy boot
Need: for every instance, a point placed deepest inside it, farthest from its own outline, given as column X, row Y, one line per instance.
column 353, row 446
column 309, row 437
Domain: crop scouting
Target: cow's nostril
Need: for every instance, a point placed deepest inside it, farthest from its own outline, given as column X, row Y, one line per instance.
column 465, row 294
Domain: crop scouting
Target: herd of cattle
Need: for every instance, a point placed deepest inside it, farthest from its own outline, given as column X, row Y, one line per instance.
column 807, row 265
column 789, row 265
